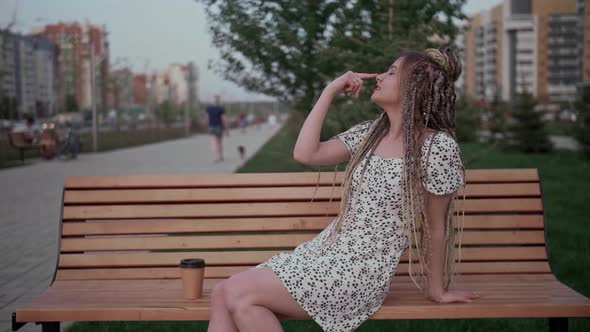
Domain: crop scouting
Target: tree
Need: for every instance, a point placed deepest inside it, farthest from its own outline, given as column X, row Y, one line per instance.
column 582, row 129
column 498, row 119
column 71, row 104
column 8, row 109
column 168, row 112
column 468, row 120
column 528, row 131
column 291, row 49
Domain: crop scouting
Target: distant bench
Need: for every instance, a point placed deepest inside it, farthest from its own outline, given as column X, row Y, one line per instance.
column 118, row 262
column 17, row 140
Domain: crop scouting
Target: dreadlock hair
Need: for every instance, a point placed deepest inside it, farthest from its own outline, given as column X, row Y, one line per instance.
column 428, row 102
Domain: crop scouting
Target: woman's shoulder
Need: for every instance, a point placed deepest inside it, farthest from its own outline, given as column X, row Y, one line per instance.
column 353, row 136
column 363, row 125
column 443, row 164
column 440, row 138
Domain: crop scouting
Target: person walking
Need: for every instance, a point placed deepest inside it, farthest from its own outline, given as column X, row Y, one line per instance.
column 217, row 125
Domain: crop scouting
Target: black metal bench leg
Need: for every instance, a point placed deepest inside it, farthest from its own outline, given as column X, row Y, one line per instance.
column 22, row 155
column 558, row 324
column 50, row 326
column 16, row 325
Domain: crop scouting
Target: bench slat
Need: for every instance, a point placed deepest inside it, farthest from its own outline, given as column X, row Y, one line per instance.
column 498, row 205
column 267, row 179
column 171, row 226
column 122, row 259
column 227, row 271
column 263, row 194
column 262, row 241
column 501, row 296
column 467, row 254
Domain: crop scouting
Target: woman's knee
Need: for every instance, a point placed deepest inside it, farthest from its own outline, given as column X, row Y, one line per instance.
column 234, row 296
column 217, row 297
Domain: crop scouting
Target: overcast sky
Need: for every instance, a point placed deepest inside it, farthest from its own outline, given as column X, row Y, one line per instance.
column 166, row 31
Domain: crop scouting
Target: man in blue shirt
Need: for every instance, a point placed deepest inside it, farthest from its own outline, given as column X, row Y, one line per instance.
column 217, row 125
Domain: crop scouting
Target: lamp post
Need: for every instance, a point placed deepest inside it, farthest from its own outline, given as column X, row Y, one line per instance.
column 93, row 89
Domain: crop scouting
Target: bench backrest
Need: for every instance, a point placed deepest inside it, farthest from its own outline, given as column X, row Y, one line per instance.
column 136, row 227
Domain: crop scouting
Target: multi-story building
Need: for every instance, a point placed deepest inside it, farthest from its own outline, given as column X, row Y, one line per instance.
column 28, row 73
column 121, row 89
column 140, row 90
column 483, row 47
column 83, row 54
column 524, row 45
column 460, row 48
column 8, row 74
column 563, row 58
column 178, row 84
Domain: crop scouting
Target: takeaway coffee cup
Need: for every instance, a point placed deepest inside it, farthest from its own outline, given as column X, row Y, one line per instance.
column 192, row 271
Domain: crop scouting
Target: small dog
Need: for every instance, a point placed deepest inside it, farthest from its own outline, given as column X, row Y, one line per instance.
column 242, row 151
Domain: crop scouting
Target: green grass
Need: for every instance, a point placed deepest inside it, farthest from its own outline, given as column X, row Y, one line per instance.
column 565, row 178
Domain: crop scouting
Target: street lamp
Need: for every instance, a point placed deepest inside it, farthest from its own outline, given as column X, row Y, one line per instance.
column 93, row 88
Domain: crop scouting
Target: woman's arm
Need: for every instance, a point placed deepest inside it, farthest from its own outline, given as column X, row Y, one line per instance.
column 436, row 208
column 308, row 148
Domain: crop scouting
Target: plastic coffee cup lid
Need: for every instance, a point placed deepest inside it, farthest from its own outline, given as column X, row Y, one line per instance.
column 192, row 263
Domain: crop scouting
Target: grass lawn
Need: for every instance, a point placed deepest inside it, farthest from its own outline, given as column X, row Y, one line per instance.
column 565, row 178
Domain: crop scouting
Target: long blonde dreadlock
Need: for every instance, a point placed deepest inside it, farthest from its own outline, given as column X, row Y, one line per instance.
column 428, row 102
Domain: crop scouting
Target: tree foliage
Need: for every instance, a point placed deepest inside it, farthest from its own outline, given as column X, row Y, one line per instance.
column 292, row 49
column 168, row 112
column 498, row 119
column 71, row 104
column 468, row 119
column 582, row 131
column 528, row 130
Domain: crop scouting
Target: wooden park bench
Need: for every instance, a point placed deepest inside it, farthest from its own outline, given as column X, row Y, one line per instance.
column 122, row 239
column 18, row 141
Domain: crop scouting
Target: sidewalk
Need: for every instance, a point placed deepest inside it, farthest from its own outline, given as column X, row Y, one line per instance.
column 30, row 201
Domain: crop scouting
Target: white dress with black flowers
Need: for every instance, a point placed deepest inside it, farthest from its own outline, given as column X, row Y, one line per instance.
column 341, row 286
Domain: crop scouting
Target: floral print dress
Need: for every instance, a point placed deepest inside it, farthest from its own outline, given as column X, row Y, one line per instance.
column 342, row 285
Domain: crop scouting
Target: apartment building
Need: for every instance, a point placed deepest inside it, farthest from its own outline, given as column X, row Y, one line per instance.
column 526, row 45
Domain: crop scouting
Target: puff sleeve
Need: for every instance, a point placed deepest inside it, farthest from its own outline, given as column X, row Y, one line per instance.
column 353, row 137
column 444, row 174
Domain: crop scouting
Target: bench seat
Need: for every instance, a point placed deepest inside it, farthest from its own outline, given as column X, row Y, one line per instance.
column 503, row 296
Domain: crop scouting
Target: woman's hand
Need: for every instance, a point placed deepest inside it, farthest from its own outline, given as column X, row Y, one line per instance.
column 350, row 82
column 455, row 296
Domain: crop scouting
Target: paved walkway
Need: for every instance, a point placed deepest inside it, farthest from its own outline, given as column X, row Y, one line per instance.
column 30, row 199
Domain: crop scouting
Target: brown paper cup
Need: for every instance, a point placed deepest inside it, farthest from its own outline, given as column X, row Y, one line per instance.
column 192, row 271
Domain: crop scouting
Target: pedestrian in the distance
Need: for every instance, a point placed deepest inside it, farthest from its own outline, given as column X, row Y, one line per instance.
column 243, row 122
column 217, row 125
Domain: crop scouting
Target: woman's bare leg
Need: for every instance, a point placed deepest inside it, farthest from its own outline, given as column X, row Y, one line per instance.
column 216, row 148
column 255, row 296
column 213, row 146
column 220, row 320
column 220, row 147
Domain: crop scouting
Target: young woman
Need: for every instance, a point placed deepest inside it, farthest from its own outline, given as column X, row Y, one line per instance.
column 404, row 170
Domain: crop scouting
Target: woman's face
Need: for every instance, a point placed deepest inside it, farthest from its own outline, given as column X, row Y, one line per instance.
column 387, row 92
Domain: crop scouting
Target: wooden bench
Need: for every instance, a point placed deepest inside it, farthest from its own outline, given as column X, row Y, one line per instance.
column 18, row 141
column 123, row 237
